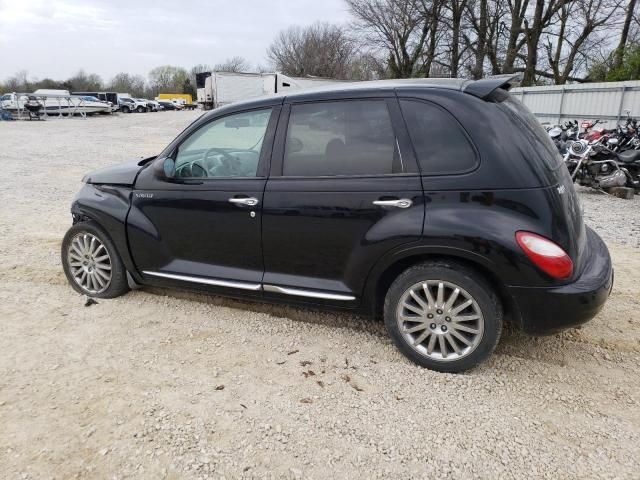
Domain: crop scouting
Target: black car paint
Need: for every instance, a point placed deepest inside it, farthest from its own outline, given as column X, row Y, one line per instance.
column 158, row 224
column 324, row 234
column 122, row 174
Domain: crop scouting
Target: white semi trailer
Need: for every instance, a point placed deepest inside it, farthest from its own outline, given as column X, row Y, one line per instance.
column 215, row 89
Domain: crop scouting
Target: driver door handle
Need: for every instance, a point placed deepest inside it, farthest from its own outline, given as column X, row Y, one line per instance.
column 249, row 201
column 400, row 203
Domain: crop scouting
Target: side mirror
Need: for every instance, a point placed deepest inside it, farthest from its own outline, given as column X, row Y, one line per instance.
column 169, row 167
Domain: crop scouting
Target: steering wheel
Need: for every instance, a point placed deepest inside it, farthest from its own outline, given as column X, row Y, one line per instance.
column 228, row 161
column 191, row 169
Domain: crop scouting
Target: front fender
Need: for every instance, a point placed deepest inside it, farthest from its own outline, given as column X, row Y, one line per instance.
column 108, row 206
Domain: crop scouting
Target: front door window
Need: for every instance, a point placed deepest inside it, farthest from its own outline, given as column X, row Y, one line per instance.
column 226, row 147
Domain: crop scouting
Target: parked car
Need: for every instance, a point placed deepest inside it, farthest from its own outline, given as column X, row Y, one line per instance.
column 396, row 198
column 128, row 105
column 152, row 105
column 180, row 100
column 144, row 106
column 166, row 105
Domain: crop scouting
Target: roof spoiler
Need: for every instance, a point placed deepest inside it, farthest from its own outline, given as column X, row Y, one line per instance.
column 483, row 88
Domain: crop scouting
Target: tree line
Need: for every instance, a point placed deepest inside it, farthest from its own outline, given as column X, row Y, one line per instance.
column 162, row 79
column 547, row 41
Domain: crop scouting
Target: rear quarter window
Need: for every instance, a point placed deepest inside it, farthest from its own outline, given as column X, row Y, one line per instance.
column 441, row 145
column 529, row 127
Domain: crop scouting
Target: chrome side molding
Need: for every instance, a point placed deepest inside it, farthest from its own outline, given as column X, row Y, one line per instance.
column 298, row 292
column 207, row 281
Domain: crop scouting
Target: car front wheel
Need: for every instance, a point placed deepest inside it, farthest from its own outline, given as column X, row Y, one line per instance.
column 443, row 316
column 91, row 262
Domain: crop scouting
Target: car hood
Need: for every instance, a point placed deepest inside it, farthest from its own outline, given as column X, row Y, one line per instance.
column 121, row 174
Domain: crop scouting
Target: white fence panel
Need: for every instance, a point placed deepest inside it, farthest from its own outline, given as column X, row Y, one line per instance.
column 588, row 101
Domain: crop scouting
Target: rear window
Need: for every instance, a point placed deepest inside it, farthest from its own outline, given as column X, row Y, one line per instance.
column 529, row 126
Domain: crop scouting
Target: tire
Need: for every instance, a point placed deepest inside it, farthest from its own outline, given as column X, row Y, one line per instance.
column 480, row 335
column 126, row 110
column 76, row 245
column 141, row 109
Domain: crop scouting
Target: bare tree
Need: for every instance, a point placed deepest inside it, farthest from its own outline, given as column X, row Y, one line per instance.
column 19, row 82
column 84, row 82
column 515, row 40
column 499, row 18
column 581, row 26
column 200, row 68
column 321, row 49
column 544, row 12
column 169, row 79
column 405, row 30
column 455, row 10
column 233, row 64
column 127, row 83
column 619, row 52
column 476, row 36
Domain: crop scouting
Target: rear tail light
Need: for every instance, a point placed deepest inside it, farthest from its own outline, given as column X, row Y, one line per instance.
column 545, row 254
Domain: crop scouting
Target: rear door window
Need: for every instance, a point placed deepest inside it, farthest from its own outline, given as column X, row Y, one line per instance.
column 441, row 146
column 351, row 137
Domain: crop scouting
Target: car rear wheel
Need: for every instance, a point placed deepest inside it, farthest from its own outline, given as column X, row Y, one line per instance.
column 443, row 316
column 141, row 109
column 91, row 262
column 126, row 110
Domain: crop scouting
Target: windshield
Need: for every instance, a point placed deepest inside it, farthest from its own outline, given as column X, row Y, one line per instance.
column 529, row 126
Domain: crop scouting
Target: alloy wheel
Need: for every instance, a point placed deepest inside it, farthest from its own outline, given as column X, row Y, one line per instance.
column 89, row 263
column 440, row 320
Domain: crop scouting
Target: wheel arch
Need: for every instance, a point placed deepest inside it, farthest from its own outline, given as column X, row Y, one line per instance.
column 393, row 264
column 108, row 207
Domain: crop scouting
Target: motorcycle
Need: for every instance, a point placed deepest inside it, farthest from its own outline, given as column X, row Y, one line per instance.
column 563, row 135
column 596, row 166
column 629, row 162
column 601, row 159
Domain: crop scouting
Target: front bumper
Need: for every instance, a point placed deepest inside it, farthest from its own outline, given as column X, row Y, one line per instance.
column 543, row 311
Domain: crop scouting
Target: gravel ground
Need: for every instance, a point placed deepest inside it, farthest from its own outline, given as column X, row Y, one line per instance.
column 163, row 384
column 616, row 220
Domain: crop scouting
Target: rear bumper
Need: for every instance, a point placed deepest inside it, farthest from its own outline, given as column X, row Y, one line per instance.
column 544, row 311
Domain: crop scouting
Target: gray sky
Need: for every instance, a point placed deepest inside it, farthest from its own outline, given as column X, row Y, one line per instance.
column 56, row 38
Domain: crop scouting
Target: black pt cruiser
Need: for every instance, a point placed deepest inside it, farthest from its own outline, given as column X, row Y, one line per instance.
column 441, row 205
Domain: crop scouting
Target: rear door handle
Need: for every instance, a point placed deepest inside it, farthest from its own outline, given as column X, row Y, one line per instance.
column 400, row 203
column 249, row 201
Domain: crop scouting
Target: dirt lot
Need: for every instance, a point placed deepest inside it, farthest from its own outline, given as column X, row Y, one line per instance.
column 163, row 384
